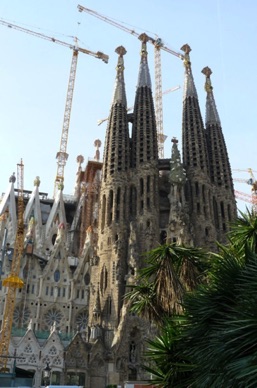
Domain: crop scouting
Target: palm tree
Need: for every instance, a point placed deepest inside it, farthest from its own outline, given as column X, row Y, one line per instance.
column 170, row 270
column 244, row 231
column 165, row 358
column 216, row 339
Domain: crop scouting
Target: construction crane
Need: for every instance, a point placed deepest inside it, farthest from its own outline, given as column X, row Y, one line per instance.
column 13, row 281
column 99, row 122
column 158, row 46
column 253, row 183
column 62, row 155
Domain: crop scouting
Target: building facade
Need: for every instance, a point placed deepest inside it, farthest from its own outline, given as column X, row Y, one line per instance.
column 82, row 252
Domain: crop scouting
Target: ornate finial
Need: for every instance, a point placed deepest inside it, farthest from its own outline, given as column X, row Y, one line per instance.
column 144, row 38
column 186, row 48
column 80, row 159
column 174, row 140
column 97, row 144
column 207, row 72
column 37, row 181
column 121, row 51
column 12, row 178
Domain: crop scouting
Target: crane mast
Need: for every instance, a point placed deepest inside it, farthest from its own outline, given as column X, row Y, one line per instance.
column 253, row 183
column 158, row 46
column 62, row 155
column 12, row 282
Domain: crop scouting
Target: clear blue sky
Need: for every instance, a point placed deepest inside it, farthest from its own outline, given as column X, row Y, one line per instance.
column 34, row 77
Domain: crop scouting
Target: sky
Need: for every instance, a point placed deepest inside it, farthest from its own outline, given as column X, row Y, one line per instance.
column 34, row 76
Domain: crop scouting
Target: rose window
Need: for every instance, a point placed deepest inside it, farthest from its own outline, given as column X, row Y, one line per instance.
column 53, row 316
column 82, row 320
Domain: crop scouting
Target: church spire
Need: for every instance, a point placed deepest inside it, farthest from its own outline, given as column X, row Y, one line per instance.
column 194, row 138
column 144, row 134
column 116, row 156
column 212, row 116
column 144, row 78
column 189, row 85
column 220, row 170
column 119, row 89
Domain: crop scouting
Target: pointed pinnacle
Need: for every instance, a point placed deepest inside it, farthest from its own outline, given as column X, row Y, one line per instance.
column 121, row 51
column 207, row 72
column 186, row 48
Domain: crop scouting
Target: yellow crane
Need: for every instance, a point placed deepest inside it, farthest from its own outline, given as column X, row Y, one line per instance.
column 62, row 154
column 13, row 281
column 158, row 46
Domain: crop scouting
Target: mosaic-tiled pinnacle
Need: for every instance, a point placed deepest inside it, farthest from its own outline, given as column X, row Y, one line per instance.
column 144, row 78
column 119, row 95
column 177, row 172
column 211, row 116
column 189, row 85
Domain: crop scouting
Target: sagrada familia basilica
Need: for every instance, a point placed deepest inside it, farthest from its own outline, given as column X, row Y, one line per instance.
column 81, row 252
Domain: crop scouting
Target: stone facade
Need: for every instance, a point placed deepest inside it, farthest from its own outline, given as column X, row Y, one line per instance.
column 81, row 253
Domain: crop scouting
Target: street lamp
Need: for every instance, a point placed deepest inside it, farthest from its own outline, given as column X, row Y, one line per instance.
column 46, row 374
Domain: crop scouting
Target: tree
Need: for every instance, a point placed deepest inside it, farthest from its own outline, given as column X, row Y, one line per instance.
column 216, row 339
column 170, row 270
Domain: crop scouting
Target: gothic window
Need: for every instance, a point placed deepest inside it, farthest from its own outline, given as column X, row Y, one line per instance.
column 52, row 351
column 132, row 352
column 203, row 193
column 32, row 359
column 57, row 275
column 22, row 359
column 52, row 316
column 103, row 279
column 148, row 183
column 113, row 272
column 57, row 361
column 103, row 212
column 82, row 320
column 110, row 208
column 196, row 189
column 117, row 216
column 163, row 237
column 141, row 186
column 229, row 212
column 124, row 203
column 21, row 315
column 87, row 279
column 222, row 210
column 215, row 212
column 28, row 349
column 109, row 305
column 133, row 200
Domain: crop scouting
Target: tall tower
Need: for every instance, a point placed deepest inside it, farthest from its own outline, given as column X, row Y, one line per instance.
column 108, row 277
column 224, row 204
column 144, row 159
column 196, row 162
